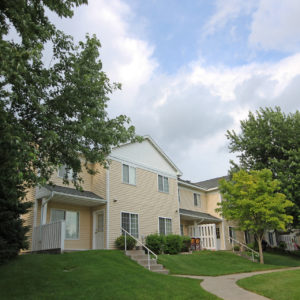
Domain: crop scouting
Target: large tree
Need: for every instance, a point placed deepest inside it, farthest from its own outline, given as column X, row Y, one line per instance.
column 51, row 113
column 271, row 139
column 253, row 201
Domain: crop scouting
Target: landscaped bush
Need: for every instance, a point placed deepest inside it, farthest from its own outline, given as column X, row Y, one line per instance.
column 186, row 243
column 236, row 248
column 155, row 242
column 253, row 246
column 282, row 245
column 120, row 242
column 173, row 244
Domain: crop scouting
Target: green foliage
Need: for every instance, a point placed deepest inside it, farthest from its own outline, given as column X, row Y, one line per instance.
column 173, row 244
column 51, row 113
column 282, row 245
column 155, row 242
column 120, row 242
column 271, row 139
column 236, row 248
column 253, row 201
column 186, row 243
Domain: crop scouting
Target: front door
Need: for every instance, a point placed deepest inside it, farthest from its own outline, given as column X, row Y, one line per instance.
column 99, row 230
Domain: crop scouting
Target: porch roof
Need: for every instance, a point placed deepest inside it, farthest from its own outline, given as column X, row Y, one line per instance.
column 69, row 195
column 195, row 215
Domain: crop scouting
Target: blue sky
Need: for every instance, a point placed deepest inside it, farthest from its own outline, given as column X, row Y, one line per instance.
column 191, row 70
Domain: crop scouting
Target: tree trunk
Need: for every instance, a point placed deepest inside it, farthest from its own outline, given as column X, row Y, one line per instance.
column 261, row 256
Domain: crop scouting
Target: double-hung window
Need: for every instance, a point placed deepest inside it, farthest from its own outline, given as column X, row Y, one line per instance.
column 197, row 200
column 163, row 184
column 130, row 222
column 165, row 226
column 129, row 174
column 64, row 172
column 72, row 222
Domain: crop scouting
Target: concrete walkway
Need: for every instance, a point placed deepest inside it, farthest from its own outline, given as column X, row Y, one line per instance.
column 226, row 288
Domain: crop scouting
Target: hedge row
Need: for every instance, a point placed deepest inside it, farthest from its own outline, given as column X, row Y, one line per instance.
column 169, row 244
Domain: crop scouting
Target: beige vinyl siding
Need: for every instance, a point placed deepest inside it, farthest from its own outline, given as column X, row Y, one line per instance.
column 98, row 181
column 187, row 199
column 143, row 199
column 87, row 180
column 212, row 199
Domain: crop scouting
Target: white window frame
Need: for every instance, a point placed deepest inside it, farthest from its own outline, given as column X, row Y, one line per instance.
column 163, row 184
column 130, row 213
column 129, row 168
column 198, row 198
column 165, row 218
column 65, row 210
column 70, row 173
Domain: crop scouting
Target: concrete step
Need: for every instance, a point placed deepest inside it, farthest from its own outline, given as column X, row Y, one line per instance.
column 163, row 271
column 135, row 252
column 138, row 257
column 145, row 261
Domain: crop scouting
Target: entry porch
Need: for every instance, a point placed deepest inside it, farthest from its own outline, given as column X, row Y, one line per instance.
column 202, row 227
column 68, row 219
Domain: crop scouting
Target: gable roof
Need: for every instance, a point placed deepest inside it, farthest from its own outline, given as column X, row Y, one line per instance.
column 210, row 183
column 162, row 154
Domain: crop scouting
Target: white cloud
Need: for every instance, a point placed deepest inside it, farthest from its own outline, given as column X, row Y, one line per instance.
column 276, row 25
column 187, row 112
column 226, row 11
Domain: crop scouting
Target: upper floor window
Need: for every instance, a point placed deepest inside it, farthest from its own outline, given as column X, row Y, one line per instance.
column 163, row 184
column 197, row 201
column 165, row 226
column 64, row 172
column 129, row 174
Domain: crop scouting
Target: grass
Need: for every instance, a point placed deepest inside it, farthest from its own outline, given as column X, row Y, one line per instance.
column 277, row 286
column 215, row 263
column 90, row 275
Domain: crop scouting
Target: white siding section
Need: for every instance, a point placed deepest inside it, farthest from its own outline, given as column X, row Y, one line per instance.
column 144, row 154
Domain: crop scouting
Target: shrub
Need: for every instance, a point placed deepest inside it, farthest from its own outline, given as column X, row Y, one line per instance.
column 186, row 243
column 120, row 242
column 173, row 244
column 236, row 248
column 282, row 245
column 155, row 242
column 253, row 246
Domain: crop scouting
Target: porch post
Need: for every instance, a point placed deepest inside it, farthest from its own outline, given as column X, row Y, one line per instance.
column 44, row 211
column 196, row 229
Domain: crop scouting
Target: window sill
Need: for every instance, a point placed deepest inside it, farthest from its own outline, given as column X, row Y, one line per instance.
column 163, row 192
column 129, row 183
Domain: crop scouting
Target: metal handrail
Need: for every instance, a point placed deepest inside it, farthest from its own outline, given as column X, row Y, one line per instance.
column 245, row 246
column 148, row 250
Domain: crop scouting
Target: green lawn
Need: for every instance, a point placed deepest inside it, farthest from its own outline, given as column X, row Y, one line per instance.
column 90, row 275
column 215, row 263
column 277, row 286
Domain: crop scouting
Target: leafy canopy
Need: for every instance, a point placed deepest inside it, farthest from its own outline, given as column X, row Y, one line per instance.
column 271, row 139
column 51, row 112
column 253, row 201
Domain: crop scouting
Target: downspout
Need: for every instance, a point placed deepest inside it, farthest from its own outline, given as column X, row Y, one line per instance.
column 44, row 202
column 107, row 207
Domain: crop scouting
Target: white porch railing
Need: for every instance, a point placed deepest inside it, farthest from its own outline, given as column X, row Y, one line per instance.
column 253, row 252
column 49, row 236
column 289, row 240
column 139, row 242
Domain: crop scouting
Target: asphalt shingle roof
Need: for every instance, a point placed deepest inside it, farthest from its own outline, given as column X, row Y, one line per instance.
column 211, row 183
column 198, row 214
column 71, row 191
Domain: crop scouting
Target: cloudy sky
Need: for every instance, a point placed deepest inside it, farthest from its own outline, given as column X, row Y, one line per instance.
column 191, row 70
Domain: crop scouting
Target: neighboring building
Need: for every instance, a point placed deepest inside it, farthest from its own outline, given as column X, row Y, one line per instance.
column 140, row 192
